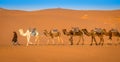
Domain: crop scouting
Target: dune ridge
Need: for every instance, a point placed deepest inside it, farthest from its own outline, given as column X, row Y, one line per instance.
column 12, row 20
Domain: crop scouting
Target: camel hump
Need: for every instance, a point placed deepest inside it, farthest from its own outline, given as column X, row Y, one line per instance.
column 75, row 29
column 54, row 31
column 85, row 30
column 98, row 30
column 33, row 31
column 20, row 30
column 114, row 30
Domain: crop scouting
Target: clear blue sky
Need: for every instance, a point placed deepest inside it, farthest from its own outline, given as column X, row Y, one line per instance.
column 69, row 4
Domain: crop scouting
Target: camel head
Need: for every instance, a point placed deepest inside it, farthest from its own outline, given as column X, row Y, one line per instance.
column 45, row 32
column 105, row 32
column 65, row 32
column 21, row 32
column 85, row 31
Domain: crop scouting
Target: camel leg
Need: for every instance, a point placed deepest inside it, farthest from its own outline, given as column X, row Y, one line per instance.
column 61, row 40
column 110, row 37
column 82, row 40
column 95, row 41
column 53, row 41
column 37, row 40
column 118, row 40
column 58, row 39
column 71, row 40
column 100, row 41
column 110, row 42
column 28, row 40
column 79, row 40
column 113, row 42
column 91, row 41
column 48, row 41
column 27, row 43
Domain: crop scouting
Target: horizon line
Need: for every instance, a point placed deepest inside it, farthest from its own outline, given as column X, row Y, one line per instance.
column 60, row 8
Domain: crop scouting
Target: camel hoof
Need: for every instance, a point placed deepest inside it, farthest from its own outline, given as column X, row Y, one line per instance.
column 77, row 44
column 102, row 44
column 71, row 44
column 98, row 44
column 82, row 43
column 109, row 43
column 90, row 44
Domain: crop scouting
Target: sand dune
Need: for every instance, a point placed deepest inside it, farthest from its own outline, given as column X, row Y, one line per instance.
column 12, row 20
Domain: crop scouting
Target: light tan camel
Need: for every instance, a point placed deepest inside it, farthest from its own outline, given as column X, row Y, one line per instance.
column 52, row 34
column 75, row 31
column 28, row 34
column 96, row 32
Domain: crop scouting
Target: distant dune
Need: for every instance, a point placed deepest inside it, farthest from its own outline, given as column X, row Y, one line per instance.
column 12, row 20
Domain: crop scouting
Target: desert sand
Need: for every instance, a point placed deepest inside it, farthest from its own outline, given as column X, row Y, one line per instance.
column 60, row 53
column 12, row 20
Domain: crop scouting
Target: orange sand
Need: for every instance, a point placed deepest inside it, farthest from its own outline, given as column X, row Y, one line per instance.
column 12, row 20
column 60, row 53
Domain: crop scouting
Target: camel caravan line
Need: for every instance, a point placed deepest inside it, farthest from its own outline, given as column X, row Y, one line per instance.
column 73, row 32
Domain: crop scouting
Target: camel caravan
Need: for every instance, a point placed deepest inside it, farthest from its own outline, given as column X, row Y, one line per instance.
column 53, row 34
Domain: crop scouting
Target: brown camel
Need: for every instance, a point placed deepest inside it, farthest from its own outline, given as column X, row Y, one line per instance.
column 75, row 31
column 52, row 34
column 114, row 33
column 96, row 32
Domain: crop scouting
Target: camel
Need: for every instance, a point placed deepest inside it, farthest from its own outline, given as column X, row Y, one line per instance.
column 96, row 32
column 52, row 34
column 35, row 33
column 75, row 31
column 115, row 33
column 28, row 34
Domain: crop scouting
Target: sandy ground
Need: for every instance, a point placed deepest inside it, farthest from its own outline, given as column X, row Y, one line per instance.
column 60, row 53
column 12, row 20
